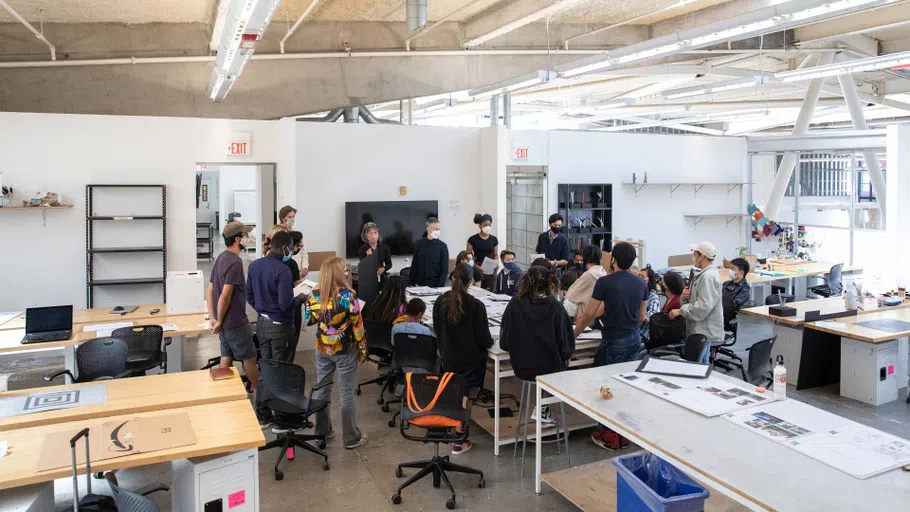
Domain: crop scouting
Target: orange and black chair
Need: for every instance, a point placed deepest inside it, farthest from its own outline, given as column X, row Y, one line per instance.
column 437, row 404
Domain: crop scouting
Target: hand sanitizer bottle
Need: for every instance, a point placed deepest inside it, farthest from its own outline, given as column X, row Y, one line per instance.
column 780, row 379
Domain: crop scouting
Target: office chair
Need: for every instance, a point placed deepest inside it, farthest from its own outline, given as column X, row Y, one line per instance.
column 436, row 403
column 283, row 391
column 98, row 359
column 145, row 347
column 760, row 369
column 834, row 283
column 379, row 351
column 134, row 501
column 665, row 335
column 774, row 299
column 405, row 274
column 721, row 355
column 695, row 343
column 412, row 351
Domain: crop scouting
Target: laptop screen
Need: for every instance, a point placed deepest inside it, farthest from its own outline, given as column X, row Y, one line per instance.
column 52, row 318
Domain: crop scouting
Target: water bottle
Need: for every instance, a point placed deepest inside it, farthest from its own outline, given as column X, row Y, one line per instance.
column 780, row 379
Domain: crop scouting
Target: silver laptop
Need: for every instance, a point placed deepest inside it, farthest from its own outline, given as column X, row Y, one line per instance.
column 52, row 323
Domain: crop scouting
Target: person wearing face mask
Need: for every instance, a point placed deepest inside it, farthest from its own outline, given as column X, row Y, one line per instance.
column 484, row 245
column 579, row 294
column 287, row 216
column 553, row 244
column 578, row 262
column 468, row 258
column 430, row 263
column 702, row 306
column 738, row 289
column 225, row 301
column 373, row 246
column 508, row 277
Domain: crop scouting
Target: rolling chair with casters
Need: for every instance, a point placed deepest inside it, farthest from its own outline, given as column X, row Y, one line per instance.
column 379, row 351
column 721, row 354
column 146, row 351
column 834, row 283
column 413, row 351
column 665, row 335
column 405, row 274
column 436, row 403
column 283, row 391
column 98, row 359
column 134, row 501
column 760, row 371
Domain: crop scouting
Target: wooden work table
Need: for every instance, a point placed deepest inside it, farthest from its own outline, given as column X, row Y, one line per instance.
column 101, row 316
column 849, row 329
column 132, row 396
column 781, row 271
column 219, row 428
column 827, row 306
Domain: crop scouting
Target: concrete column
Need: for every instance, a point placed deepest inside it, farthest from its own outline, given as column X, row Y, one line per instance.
column 401, row 111
column 802, row 124
column 507, row 109
column 411, row 111
column 494, row 110
column 848, row 86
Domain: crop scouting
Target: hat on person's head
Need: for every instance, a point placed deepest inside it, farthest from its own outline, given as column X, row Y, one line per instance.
column 707, row 249
column 234, row 228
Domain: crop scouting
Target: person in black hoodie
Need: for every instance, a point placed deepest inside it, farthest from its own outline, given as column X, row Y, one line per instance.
column 536, row 330
column 431, row 258
column 460, row 322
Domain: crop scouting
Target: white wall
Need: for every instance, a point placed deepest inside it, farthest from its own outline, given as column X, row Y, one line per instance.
column 63, row 153
column 233, row 178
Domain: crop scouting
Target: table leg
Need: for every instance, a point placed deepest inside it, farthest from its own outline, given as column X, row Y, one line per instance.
column 69, row 358
column 175, row 354
column 537, row 443
column 496, row 402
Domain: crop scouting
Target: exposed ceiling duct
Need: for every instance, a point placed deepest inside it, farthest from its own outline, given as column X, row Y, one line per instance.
column 417, row 14
column 350, row 115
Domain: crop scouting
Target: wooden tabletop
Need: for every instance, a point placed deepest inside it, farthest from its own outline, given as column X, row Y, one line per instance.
column 849, row 329
column 782, row 271
column 219, row 428
column 742, row 464
column 824, row 306
column 187, row 325
column 98, row 316
column 132, row 396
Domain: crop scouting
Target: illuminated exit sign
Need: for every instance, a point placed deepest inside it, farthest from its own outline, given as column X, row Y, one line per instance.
column 239, row 144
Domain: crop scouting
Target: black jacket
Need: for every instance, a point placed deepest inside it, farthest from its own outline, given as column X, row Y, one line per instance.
column 537, row 333
column 430, row 264
column 467, row 341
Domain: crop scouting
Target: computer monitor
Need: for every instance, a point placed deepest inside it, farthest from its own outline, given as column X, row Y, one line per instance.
column 48, row 319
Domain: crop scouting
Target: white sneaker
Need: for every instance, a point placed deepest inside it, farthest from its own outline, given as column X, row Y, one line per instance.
column 546, row 420
column 363, row 440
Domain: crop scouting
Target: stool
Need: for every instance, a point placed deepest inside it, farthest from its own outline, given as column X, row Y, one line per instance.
column 524, row 417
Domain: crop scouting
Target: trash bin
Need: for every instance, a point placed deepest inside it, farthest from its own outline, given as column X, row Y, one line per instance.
column 645, row 482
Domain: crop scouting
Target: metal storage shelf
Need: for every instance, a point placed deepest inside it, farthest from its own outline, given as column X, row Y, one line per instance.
column 115, row 250
column 134, row 280
column 696, row 185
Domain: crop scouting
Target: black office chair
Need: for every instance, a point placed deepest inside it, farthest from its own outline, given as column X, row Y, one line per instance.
column 98, row 359
column 435, row 403
column 695, row 343
column 760, row 366
column 412, row 351
column 134, row 501
column 665, row 333
column 283, row 391
column 721, row 354
column 775, row 299
column 405, row 274
column 379, row 351
column 834, row 283
column 146, row 350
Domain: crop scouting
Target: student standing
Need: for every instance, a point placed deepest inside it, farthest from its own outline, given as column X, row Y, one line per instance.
column 460, row 321
column 553, row 244
column 702, row 306
column 226, row 303
column 340, row 345
column 484, row 245
column 508, row 277
column 297, row 244
column 650, row 278
column 267, row 243
column 430, row 264
column 287, row 217
column 373, row 246
column 738, row 289
column 579, row 294
column 270, row 291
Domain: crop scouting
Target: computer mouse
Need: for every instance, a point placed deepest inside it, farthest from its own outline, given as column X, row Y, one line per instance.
column 118, row 308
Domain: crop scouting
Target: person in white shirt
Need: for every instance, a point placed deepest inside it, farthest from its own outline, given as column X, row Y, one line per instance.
column 579, row 294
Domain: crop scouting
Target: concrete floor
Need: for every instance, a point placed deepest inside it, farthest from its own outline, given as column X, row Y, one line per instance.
column 364, row 479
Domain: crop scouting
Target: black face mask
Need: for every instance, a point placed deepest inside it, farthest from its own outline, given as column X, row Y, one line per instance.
column 555, row 229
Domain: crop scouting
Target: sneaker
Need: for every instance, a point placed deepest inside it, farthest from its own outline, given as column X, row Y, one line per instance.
column 330, row 435
column 623, row 442
column 460, row 447
column 606, row 439
column 547, row 418
column 362, row 441
column 284, row 430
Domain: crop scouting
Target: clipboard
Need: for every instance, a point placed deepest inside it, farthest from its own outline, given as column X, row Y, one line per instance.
column 686, row 369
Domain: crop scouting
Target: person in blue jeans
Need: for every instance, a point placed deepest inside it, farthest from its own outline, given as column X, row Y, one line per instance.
column 621, row 300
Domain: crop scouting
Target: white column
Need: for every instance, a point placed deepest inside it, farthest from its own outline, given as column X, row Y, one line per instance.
column 802, row 124
column 859, row 122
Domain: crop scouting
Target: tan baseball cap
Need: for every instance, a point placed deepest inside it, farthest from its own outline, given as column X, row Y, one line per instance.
column 705, row 248
column 235, row 228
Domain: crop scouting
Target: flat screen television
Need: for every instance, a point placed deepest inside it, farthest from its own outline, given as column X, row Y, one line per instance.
column 401, row 223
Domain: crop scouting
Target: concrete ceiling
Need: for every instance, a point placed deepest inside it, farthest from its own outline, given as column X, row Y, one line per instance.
column 112, row 11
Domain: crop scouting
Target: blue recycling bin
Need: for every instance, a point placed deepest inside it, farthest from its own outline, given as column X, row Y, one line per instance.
column 645, row 482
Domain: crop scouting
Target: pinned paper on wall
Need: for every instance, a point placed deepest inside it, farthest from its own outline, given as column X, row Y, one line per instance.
column 454, row 207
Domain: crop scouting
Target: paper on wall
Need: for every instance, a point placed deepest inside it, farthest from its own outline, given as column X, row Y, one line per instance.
column 103, row 330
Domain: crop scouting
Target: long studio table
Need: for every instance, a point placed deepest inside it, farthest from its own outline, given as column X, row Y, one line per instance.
column 755, row 471
column 99, row 316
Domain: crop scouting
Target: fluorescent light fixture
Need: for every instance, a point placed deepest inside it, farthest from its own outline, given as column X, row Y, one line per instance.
column 434, row 105
column 727, row 85
column 881, row 62
column 760, row 21
column 516, row 84
column 614, row 103
column 555, row 8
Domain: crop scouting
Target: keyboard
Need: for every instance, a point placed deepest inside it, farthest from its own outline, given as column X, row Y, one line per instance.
column 42, row 337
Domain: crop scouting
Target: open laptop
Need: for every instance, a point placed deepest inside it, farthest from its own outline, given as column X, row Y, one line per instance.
column 52, row 323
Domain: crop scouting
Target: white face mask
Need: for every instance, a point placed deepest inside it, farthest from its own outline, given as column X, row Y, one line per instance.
column 434, row 234
column 486, row 229
column 290, row 221
column 246, row 242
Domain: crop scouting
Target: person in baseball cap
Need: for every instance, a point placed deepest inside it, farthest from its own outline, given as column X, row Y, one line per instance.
column 706, row 249
column 234, row 228
column 702, row 306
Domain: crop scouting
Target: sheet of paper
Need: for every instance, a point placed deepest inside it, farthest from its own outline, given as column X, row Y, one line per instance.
column 102, row 330
column 674, row 367
column 169, row 327
column 489, row 266
column 52, row 400
column 7, row 316
column 498, row 297
column 712, row 396
column 304, row 288
column 829, row 324
column 533, row 256
column 590, row 335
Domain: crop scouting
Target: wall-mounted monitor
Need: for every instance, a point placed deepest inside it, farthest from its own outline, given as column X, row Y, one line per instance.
column 401, row 223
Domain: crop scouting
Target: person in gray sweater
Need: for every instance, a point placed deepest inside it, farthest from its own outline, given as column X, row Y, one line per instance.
column 702, row 306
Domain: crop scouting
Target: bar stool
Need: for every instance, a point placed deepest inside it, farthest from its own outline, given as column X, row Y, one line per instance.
column 528, row 388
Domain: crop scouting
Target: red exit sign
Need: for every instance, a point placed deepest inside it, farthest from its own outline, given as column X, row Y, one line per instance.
column 239, row 145
column 521, row 153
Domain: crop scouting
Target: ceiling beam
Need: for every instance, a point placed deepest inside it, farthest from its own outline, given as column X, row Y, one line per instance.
column 888, row 16
column 496, row 22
